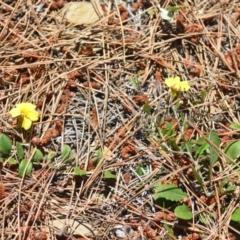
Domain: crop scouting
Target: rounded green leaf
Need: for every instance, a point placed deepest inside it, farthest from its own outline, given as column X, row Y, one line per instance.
column 233, row 150
column 236, row 215
column 66, row 153
column 37, row 156
column 147, row 108
column 169, row 192
column 5, row 144
column 12, row 161
column 25, row 168
column 183, row 212
column 20, row 150
column 139, row 171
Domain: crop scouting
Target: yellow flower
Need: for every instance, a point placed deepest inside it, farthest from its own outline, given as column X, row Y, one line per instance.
column 177, row 85
column 26, row 113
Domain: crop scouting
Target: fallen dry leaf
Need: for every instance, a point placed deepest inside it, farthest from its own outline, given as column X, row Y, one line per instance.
column 82, row 12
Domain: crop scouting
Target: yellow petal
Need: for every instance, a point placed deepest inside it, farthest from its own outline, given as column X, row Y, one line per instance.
column 33, row 115
column 177, row 79
column 170, row 82
column 26, row 123
column 15, row 112
column 177, row 85
column 185, row 86
column 25, row 106
column 28, row 110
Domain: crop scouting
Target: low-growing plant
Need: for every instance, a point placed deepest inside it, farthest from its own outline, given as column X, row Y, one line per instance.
column 169, row 192
column 204, row 155
column 15, row 156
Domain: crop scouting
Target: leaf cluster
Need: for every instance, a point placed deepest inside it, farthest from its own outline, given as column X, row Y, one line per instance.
column 17, row 156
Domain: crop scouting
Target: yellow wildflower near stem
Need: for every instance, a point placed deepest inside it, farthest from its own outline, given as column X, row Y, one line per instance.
column 26, row 113
column 177, row 85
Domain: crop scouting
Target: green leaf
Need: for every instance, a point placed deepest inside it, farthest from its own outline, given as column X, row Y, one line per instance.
column 223, row 183
column 169, row 192
column 108, row 175
column 152, row 12
column 197, row 176
column 201, row 147
column 200, row 141
column 177, row 105
column 5, row 144
column 147, row 108
column 25, row 168
column 66, row 153
column 95, row 162
column 203, row 94
column 51, row 155
column 214, row 153
column 189, row 147
column 133, row 81
column 205, row 219
column 165, row 14
column 235, row 126
column 169, row 230
column 173, row 144
column 140, row 169
column 37, row 156
column 169, row 126
column 99, row 154
column 183, row 212
column 99, row 157
column 232, row 150
column 236, row 215
column 79, row 172
column 12, row 161
column 20, row 150
column 139, row 73
column 168, row 130
column 1, row 159
column 198, row 101
column 52, row 166
column 229, row 189
column 174, row 8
